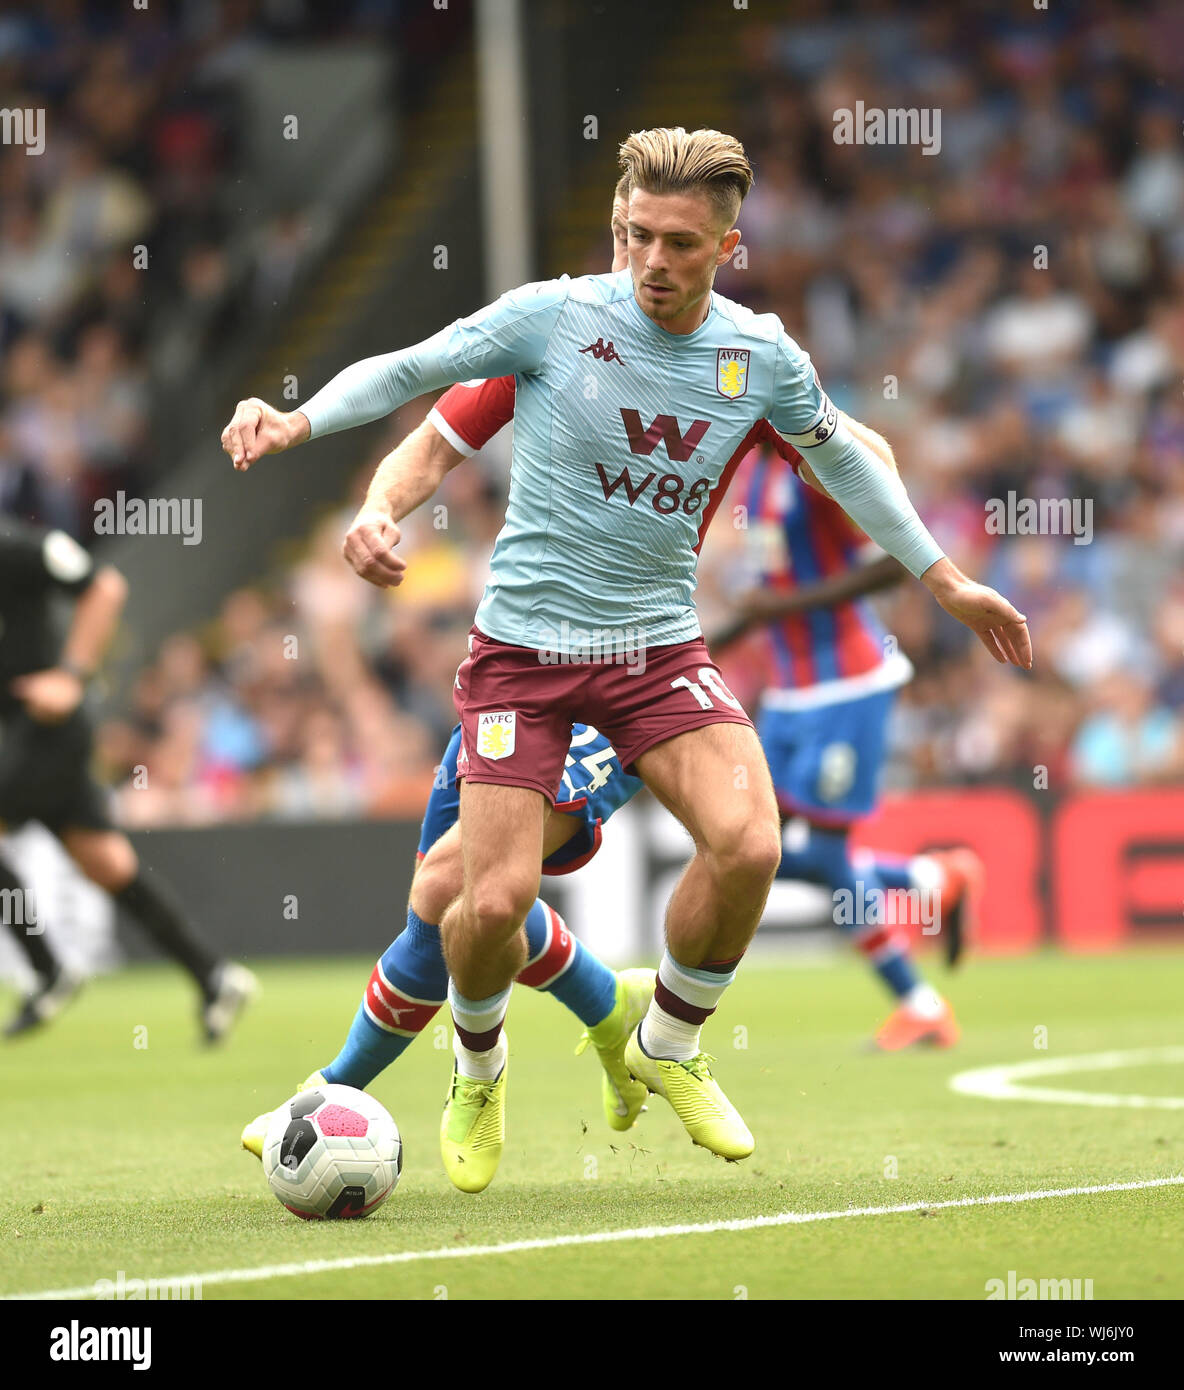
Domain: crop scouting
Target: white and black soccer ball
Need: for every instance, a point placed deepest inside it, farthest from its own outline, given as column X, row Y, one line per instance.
column 332, row 1153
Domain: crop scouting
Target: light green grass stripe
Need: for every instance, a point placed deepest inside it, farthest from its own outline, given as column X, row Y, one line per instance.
column 516, row 1247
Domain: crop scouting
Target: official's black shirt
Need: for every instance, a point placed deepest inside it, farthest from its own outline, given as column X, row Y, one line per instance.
column 44, row 768
column 36, row 566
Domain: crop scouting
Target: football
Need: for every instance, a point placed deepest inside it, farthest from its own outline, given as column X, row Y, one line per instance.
column 332, row 1153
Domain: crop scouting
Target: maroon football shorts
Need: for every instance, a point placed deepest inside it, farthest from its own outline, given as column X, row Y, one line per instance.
column 516, row 709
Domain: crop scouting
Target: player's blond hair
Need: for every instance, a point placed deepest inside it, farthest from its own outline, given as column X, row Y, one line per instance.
column 671, row 160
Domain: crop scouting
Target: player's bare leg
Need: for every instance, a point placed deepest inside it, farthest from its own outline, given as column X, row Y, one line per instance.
column 438, row 883
column 501, row 832
column 439, row 878
column 402, row 993
column 716, row 781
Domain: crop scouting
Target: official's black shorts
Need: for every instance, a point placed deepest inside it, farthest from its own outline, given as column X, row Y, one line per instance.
column 45, row 774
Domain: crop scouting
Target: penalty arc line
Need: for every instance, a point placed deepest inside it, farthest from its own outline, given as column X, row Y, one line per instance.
column 514, row 1247
column 1001, row 1082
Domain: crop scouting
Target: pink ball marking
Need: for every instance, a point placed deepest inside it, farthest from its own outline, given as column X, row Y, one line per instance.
column 340, row 1120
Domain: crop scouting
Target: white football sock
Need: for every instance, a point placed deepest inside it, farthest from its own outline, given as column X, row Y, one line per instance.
column 662, row 1033
column 480, row 1066
column 926, row 874
column 667, row 1037
column 924, row 1001
column 479, row 1016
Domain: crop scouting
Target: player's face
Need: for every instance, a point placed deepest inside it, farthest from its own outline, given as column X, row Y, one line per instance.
column 620, row 229
column 675, row 247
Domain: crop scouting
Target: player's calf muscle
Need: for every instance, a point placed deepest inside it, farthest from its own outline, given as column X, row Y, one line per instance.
column 439, row 879
column 713, row 917
column 484, row 944
column 716, row 781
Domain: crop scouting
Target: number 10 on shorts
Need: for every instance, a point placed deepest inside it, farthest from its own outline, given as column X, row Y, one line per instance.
column 713, row 681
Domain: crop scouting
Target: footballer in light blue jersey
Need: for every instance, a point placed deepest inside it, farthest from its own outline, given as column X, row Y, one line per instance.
column 622, row 434
column 627, row 419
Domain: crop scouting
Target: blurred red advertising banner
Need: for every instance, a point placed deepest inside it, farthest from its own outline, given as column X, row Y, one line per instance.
column 1118, row 867
column 1090, row 872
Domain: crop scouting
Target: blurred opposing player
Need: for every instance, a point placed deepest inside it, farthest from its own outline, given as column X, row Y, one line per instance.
column 591, row 548
column 831, row 679
column 45, row 750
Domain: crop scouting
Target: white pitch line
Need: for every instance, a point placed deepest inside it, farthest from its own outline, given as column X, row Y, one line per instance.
column 514, row 1247
column 1000, row 1082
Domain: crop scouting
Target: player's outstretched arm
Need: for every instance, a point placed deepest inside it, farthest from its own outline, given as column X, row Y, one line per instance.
column 876, row 500
column 1001, row 628
column 503, row 339
column 407, row 477
column 764, row 605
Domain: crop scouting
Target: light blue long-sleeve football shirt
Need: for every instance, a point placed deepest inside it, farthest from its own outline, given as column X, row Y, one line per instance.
column 623, row 434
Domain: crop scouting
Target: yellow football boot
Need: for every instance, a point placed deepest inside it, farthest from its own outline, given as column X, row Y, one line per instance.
column 473, row 1130
column 623, row 1097
column 709, row 1116
column 254, row 1133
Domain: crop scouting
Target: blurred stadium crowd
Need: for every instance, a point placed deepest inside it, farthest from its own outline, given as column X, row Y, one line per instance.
column 1008, row 312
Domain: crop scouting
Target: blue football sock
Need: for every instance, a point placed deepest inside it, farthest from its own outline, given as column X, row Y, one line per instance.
column 406, row 987
column 826, row 859
column 895, row 870
column 557, row 963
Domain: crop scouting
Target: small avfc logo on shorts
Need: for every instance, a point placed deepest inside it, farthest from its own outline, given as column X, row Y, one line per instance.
column 495, row 734
column 731, row 372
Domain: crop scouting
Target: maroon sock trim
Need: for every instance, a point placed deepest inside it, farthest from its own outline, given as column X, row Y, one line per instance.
column 478, row 1042
column 678, row 1007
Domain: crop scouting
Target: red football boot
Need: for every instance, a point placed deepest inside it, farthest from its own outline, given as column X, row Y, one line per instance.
column 905, row 1028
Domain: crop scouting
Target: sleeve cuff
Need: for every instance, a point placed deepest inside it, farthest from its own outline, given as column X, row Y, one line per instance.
column 449, row 434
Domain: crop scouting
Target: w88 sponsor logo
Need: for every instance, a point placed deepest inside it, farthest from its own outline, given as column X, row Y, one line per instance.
column 667, row 496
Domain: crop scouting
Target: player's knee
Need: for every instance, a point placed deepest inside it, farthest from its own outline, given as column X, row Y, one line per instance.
column 436, row 885
column 498, row 909
column 749, row 850
column 762, row 854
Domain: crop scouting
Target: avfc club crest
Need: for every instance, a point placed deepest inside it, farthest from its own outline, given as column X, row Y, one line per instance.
column 495, row 734
column 731, row 372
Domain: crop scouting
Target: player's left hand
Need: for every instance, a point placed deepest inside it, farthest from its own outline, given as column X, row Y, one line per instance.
column 49, row 696
column 1001, row 628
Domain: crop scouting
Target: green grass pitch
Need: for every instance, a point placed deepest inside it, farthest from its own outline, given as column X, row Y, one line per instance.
column 125, row 1157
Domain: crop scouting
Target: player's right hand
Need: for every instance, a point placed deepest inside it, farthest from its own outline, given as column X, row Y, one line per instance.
column 258, row 428
column 370, row 548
